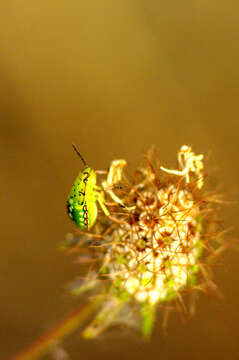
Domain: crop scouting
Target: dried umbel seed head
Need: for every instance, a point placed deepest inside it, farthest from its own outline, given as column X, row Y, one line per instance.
column 149, row 250
column 154, row 254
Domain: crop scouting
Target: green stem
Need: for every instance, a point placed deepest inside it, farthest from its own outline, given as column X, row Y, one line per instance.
column 148, row 317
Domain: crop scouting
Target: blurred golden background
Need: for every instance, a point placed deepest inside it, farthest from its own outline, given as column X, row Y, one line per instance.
column 114, row 78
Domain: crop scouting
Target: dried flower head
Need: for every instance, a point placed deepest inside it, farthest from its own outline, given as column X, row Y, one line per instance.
column 151, row 248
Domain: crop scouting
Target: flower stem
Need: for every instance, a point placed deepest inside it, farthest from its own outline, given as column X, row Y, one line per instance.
column 61, row 330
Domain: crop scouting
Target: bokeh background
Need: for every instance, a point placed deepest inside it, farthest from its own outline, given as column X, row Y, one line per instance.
column 114, row 77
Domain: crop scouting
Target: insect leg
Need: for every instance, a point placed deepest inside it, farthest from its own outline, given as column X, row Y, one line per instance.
column 100, row 199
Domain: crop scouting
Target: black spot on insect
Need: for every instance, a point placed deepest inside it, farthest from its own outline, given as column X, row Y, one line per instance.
column 69, row 208
column 86, row 178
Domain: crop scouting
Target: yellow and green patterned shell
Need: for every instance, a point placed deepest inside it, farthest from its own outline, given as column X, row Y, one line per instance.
column 81, row 203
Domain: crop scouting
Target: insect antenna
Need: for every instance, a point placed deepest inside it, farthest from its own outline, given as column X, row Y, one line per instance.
column 79, row 154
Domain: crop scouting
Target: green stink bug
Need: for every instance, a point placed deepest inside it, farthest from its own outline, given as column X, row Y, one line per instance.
column 81, row 203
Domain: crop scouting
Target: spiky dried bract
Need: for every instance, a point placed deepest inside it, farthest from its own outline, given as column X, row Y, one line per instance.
column 149, row 250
